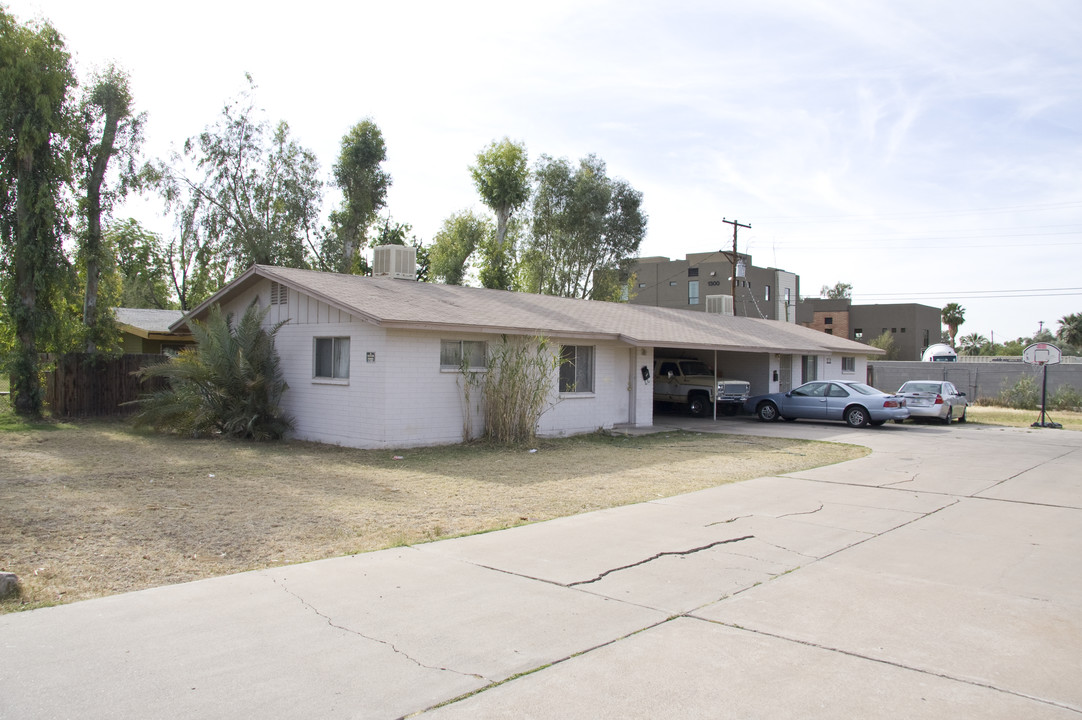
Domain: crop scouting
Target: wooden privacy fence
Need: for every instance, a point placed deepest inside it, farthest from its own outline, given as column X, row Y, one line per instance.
column 85, row 385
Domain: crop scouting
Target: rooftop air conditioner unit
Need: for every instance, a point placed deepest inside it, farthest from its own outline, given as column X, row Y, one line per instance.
column 719, row 304
column 398, row 261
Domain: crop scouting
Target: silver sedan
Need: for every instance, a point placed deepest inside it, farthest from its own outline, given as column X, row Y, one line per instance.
column 935, row 400
column 854, row 402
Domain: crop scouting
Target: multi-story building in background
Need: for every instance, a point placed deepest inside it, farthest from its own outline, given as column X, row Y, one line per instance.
column 913, row 327
column 699, row 281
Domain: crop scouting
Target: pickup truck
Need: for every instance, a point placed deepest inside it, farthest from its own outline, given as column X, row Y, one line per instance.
column 691, row 382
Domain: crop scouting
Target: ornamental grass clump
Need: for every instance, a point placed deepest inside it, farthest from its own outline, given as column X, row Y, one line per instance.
column 517, row 387
column 229, row 384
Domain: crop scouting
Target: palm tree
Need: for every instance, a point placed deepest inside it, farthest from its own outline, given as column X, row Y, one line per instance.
column 972, row 344
column 953, row 315
column 1070, row 329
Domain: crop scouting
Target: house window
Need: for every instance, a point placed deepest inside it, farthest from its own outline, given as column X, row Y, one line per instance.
column 903, row 329
column 642, row 285
column 829, row 331
column 672, row 283
column 452, row 353
column 693, row 292
column 858, row 333
column 693, row 272
column 786, row 296
column 331, row 358
column 829, row 321
column 279, row 294
column 576, row 369
column 849, row 364
column 766, row 293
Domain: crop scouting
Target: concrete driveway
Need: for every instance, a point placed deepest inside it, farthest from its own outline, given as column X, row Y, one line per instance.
column 939, row 577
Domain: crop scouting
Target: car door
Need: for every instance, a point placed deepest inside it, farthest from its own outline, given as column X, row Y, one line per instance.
column 837, row 397
column 807, row 401
column 951, row 395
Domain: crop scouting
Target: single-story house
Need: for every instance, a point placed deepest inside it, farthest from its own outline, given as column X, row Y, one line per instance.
column 375, row 362
column 146, row 331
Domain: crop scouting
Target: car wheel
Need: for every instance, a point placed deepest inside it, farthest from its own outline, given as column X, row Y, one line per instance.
column 963, row 418
column 856, row 416
column 767, row 412
column 697, row 405
column 950, row 416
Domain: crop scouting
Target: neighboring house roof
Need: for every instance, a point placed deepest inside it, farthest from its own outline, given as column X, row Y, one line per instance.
column 404, row 304
column 150, row 323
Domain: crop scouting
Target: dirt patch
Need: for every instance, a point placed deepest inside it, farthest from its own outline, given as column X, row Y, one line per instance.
column 98, row 509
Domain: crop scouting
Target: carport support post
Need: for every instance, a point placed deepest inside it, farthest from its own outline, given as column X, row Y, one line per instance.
column 715, row 393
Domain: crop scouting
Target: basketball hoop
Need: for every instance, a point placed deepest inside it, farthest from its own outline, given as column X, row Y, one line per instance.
column 1042, row 355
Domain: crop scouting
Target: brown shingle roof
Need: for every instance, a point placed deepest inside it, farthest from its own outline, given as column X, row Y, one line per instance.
column 415, row 305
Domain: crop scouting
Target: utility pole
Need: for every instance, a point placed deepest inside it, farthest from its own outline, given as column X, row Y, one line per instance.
column 736, row 224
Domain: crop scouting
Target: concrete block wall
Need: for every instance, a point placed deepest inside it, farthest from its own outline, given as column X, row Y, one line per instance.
column 977, row 380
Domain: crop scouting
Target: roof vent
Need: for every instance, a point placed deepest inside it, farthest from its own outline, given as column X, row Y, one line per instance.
column 719, row 304
column 398, row 261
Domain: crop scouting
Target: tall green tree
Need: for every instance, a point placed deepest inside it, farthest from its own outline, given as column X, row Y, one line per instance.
column 142, row 264
column 953, row 316
column 454, row 244
column 110, row 135
column 840, row 291
column 502, row 178
column 243, row 193
column 364, row 183
column 35, row 165
column 585, row 227
column 1070, row 329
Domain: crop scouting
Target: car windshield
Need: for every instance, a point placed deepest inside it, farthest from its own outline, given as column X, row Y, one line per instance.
column 863, row 389
column 694, row 367
column 927, row 387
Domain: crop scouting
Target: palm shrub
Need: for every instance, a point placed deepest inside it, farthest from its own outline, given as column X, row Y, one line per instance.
column 230, row 383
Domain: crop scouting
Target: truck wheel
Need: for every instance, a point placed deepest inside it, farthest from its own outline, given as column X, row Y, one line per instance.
column 767, row 411
column 697, row 405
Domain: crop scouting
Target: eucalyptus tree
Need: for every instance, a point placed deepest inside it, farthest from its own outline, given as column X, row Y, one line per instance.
column 243, row 193
column 142, row 264
column 502, row 178
column 454, row 244
column 585, row 231
column 364, row 183
column 840, row 291
column 35, row 166
column 110, row 134
column 953, row 316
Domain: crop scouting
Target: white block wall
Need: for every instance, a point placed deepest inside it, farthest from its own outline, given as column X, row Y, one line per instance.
column 397, row 395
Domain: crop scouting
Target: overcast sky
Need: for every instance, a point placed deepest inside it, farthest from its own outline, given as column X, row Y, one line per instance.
column 923, row 151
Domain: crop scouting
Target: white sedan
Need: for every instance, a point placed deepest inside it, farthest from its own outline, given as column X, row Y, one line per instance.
column 934, row 399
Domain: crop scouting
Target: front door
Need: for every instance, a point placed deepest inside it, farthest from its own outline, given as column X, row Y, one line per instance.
column 785, row 373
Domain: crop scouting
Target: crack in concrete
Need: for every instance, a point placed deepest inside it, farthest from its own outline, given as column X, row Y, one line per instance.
column 803, row 512
column 730, row 520
column 394, row 648
column 891, row 663
column 661, row 555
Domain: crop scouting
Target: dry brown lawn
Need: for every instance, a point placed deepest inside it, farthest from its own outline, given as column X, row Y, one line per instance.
column 97, row 509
